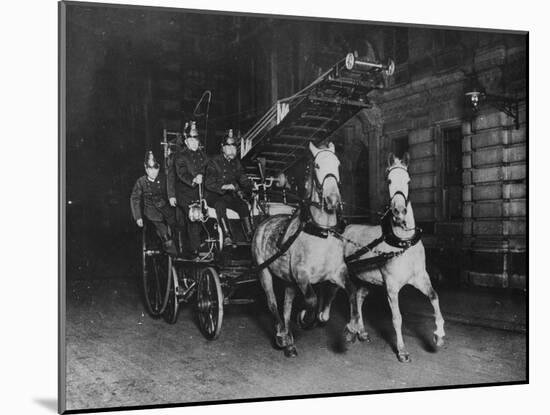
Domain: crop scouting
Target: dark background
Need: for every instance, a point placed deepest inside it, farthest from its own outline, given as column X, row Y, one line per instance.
column 133, row 71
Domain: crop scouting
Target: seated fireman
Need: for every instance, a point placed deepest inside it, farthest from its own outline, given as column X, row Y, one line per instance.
column 150, row 192
column 183, row 187
column 225, row 184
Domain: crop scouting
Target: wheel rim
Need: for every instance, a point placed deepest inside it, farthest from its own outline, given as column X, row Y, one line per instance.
column 210, row 303
column 220, row 237
column 171, row 312
column 157, row 267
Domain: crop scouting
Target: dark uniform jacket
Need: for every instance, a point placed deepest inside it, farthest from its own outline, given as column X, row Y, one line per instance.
column 220, row 171
column 153, row 197
column 186, row 165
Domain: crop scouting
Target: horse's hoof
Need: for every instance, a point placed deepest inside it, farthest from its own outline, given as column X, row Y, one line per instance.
column 363, row 337
column 280, row 341
column 304, row 321
column 404, row 357
column 438, row 340
column 349, row 336
column 321, row 319
column 290, row 351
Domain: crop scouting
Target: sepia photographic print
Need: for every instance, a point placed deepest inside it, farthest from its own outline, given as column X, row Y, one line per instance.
column 258, row 207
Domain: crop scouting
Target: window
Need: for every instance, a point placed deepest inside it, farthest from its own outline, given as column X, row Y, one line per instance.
column 452, row 174
column 400, row 146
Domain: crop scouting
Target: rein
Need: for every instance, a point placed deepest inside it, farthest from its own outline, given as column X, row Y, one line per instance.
column 306, row 222
column 389, row 237
column 281, row 246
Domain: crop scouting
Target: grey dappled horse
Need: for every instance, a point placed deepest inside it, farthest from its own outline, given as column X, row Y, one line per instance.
column 310, row 259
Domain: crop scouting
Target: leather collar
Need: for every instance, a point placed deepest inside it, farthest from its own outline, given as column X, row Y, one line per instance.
column 392, row 239
column 310, row 227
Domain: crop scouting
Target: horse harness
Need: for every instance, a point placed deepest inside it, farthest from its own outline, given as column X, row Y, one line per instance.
column 390, row 238
column 306, row 223
column 317, row 186
column 399, row 192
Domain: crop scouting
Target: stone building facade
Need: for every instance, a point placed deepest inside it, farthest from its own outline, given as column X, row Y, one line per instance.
column 133, row 72
column 469, row 174
column 468, row 171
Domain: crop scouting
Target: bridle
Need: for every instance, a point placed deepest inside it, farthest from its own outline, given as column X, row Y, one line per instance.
column 398, row 192
column 317, row 185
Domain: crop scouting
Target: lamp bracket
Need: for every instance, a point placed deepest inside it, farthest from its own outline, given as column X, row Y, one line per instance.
column 507, row 105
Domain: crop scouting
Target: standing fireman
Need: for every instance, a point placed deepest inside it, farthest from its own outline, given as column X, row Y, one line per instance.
column 183, row 187
column 225, row 184
column 150, row 193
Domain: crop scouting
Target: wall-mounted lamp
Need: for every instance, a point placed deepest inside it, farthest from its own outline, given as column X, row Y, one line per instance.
column 475, row 95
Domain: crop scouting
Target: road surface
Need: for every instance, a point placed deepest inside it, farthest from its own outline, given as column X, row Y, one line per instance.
column 117, row 355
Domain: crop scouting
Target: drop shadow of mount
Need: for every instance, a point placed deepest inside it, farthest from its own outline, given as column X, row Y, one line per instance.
column 48, row 403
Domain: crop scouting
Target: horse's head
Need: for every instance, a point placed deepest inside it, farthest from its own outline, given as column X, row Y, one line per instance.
column 398, row 178
column 326, row 177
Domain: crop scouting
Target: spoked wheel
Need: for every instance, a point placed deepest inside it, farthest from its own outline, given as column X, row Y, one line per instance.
column 157, row 272
column 209, row 303
column 171, row 312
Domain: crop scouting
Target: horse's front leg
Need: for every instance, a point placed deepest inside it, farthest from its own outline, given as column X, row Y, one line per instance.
column 326, row 297
column 266, row 281
column 355, row 328
column 362, row 292
column 306, row 317
column 290, row 347
column 393, row 300
column 423, row 283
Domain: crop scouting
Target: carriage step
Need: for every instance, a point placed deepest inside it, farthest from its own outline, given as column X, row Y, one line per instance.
column 238, row 301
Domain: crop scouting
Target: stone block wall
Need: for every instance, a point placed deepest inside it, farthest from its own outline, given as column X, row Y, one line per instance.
column 489, row 242
column 495, row 200
column 422, row 151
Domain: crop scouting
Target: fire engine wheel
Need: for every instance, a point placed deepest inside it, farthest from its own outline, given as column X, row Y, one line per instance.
column 171, row 312
column 209, row 303
column 157, row 272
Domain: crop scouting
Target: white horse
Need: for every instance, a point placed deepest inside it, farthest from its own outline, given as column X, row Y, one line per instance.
column 406, row 263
